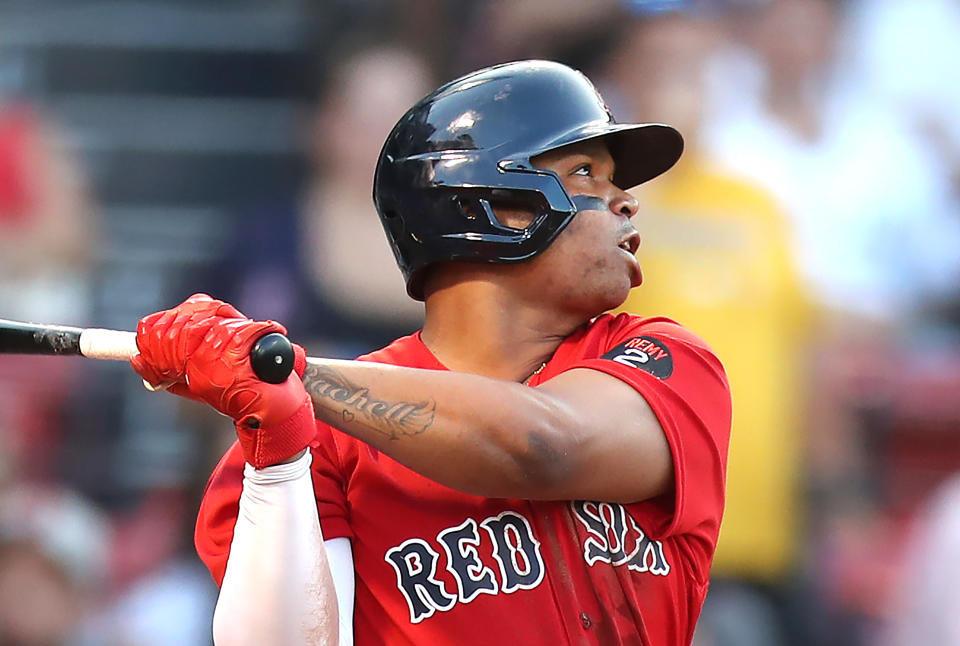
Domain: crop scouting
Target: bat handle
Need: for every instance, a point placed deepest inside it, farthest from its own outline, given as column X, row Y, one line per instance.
column 271, row 356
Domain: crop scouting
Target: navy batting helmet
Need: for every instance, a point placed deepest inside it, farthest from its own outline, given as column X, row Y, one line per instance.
column 466, row 147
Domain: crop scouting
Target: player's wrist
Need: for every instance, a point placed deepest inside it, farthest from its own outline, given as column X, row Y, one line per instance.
column 290, row 469
column 292, row 458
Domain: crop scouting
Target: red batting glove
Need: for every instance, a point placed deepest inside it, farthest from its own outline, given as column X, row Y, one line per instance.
column 211, row 354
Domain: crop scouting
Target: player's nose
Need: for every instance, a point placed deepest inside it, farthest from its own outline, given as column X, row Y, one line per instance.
column 624, row 204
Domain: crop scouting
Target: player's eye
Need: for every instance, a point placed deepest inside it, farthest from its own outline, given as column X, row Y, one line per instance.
column 583, row 169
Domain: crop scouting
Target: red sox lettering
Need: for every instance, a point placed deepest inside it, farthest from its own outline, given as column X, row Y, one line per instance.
column 610, row 527
column 416, row 565
column 613, row 537
column 460, row 545
column 515, row 550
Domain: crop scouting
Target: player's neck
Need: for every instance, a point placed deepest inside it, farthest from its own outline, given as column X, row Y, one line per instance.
column 477, row 327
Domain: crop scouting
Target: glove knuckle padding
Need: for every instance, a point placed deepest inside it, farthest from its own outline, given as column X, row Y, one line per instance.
column 166, row 337
column 167, row 344
column 198, row 297
column 199, row 302
column 229, row 311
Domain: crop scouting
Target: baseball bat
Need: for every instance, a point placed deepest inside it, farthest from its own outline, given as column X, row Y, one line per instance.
column 271, row 356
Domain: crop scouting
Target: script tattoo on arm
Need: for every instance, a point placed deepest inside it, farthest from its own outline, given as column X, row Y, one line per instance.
column 337, row 400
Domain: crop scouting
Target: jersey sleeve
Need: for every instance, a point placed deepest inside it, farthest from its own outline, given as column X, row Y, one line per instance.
column 221, row 501
column 686, row 387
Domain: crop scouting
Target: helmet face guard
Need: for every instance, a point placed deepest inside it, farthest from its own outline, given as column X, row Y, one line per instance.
column 467, row 148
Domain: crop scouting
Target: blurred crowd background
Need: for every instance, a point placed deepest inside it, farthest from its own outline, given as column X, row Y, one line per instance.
column 151, row 149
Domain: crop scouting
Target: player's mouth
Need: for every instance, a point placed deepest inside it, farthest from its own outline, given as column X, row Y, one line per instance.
column 629, row 245
column 630, row 242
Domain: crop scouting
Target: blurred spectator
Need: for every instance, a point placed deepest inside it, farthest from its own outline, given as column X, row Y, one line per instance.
column 156, row 576
column 925, row 609
column 47, row 244
column 171, row 606
column 52, row 565
column 903, row 51
column 319, row 262
column 70, row 577
column 870, row 204
column 717, row 257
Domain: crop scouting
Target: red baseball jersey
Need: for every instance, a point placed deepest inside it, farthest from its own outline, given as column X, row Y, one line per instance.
column 436, row 566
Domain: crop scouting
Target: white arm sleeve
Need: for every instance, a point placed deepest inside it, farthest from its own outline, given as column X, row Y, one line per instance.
column 340, row 559
column 277, row 588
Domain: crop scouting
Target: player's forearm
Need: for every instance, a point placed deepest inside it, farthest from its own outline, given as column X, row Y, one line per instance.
column 277, row 588
column 476, row 434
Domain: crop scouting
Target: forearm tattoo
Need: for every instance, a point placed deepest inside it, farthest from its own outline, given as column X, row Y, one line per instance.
column 338, row 401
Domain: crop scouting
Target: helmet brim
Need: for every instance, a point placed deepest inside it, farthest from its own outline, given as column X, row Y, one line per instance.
column 641, row 151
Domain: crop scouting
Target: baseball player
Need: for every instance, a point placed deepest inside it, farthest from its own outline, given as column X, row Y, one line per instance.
column 523, row 470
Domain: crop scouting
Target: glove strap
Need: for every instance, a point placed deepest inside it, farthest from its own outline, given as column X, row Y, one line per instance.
column 263, row 447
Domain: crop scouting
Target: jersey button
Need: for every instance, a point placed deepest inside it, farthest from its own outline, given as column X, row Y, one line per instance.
column 585, row 620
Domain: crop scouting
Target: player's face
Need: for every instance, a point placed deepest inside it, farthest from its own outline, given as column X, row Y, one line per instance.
column 590, row 266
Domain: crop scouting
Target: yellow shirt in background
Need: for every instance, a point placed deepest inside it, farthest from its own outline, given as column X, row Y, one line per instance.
column 716, row 258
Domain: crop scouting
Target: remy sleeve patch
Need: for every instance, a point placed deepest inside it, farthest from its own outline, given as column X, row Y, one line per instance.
column 646, row 353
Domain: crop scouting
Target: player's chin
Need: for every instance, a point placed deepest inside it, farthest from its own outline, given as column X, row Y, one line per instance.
column 619, row 296
column 605, row 288
column 611, row 296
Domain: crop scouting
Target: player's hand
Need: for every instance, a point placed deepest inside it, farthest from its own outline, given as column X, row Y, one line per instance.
column 204, row 346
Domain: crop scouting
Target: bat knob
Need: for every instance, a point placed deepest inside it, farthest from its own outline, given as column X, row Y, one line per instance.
column 272, row 358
